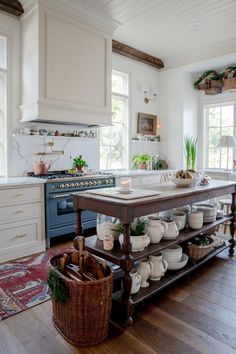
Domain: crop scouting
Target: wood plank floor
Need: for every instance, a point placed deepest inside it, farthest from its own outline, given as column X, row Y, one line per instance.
column 197, row 315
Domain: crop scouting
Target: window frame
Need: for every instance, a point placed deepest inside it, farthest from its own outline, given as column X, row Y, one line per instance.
column 206, row 107
column 126, row 98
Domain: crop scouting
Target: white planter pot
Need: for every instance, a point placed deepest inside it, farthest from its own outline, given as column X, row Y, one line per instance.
column 138, row 242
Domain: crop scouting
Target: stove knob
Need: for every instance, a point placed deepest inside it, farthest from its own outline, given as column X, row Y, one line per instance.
column 76, row 184
column 81, row 184
column 72, row 185
column 91, row 183
column 67, row 185
column 62, row 186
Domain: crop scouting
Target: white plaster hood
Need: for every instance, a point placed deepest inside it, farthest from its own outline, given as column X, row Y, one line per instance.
column 66, row 64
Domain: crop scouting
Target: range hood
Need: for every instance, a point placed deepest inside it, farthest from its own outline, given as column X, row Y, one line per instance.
column 66, row 66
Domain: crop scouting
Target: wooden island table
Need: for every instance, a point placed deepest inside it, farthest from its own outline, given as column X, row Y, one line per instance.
column 127, row 209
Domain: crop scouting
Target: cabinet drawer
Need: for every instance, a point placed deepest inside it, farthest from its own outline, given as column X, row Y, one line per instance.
column 18, row 234
column 20, row 195
column 20, row 211
column 150, row 179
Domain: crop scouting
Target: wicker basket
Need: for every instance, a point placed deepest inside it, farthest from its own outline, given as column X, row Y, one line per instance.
column 213, row 87
column 83, row 319
column 197, row 252
column 230, row 84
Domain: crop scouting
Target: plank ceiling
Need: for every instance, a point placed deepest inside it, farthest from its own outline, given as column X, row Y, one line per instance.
column 176, row 31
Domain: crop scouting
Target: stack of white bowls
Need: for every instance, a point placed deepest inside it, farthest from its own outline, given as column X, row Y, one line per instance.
column 175, row 257
column 209, row 212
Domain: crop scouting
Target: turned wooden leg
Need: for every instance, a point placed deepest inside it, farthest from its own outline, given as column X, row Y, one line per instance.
column 78, row 225
column 127, row 264
column 232, row 226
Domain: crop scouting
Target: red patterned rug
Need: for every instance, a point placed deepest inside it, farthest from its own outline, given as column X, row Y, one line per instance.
column 23, row 283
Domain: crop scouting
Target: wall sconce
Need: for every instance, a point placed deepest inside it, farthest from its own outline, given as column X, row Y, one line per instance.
column 148, row 99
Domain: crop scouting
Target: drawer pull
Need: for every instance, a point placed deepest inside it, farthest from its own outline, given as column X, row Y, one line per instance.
column 19, row 211
column 19, row 195
column 20, row 236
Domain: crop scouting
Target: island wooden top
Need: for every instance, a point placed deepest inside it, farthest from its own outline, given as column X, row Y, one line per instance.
column 171, row 197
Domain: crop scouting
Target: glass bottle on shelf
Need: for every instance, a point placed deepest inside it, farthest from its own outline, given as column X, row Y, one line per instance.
column 107, row 225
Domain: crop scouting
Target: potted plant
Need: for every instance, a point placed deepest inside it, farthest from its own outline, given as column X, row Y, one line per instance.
column 230, row 78
column 141, row 161
column 190, row 147
column 138, row 235
column 79, row 163
column 211, row 82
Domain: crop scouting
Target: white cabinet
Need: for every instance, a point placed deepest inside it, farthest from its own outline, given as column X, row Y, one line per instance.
column 66, row 65
column 21, row 221
column 150, row 179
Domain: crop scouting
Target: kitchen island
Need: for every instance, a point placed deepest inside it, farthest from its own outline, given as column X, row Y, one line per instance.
column 127, row 209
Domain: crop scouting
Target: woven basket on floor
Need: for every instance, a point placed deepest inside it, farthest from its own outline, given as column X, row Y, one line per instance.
column 83, row 319
column 197, row 252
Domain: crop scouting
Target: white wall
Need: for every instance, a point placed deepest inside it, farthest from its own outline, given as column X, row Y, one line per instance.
column 178, row 112
column 141, row 77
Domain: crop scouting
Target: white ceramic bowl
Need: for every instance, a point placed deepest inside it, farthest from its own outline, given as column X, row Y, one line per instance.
column 173, row 254
column 183, row 182
column 178, row 265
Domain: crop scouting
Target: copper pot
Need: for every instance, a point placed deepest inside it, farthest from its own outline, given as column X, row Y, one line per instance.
column 41, row 168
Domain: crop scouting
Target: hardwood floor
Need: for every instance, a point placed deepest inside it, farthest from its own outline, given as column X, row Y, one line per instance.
column 198, row 315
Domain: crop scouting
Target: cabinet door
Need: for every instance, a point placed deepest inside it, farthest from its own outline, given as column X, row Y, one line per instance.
column 150, row 179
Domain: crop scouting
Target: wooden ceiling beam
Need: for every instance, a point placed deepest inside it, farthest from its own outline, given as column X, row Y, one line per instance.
column 12, row 7
column 132, row 53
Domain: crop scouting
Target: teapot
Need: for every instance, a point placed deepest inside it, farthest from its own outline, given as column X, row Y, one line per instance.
column 41, row 168
column 172, row 230
column 158, row 266
column 156, row 228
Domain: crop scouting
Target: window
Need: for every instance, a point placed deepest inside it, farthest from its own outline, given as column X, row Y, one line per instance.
column 114, row 139
column 3, row 78
column 220, row 120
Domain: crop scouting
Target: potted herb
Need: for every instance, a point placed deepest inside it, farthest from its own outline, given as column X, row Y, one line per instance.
column 138, row 235
column 141, row 161
column 79, row 163
column 190, row 147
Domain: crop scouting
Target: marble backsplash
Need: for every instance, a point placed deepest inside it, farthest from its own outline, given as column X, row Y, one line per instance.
column 25, row 148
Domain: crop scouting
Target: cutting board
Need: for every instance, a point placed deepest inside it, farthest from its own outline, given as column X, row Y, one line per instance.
column 114, row 193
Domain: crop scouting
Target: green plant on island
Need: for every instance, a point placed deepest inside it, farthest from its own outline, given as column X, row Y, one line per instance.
column 141, row 161
column 190, row 149
column 138, row 230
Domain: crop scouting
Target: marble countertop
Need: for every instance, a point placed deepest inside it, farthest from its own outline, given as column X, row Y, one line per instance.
column 121, row 173
column 19, row 181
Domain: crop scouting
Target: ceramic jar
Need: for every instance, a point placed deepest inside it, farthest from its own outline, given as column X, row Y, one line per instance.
column 172, row 231
column 136, row 281
column 108, row 242
column 106, row 225
column 158, row 266
column 144, row 271
column 173, row 254
column 195, row 220
column 138, row 242
column 156, row 228
column 181, row 217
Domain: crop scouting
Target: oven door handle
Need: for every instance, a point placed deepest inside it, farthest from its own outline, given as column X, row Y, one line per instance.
column 57, row 196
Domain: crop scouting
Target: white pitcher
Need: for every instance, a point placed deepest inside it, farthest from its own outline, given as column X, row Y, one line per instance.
column 172, row 230
column 144, row 271
column 156, row 228
column 158, row 266
column 136, row 281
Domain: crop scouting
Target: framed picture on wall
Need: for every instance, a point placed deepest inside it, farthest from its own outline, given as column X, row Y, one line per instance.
column 147, row 124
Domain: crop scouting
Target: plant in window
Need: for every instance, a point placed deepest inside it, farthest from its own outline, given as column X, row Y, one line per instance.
column 141, row 161
column 79, row 163
column 190, row 147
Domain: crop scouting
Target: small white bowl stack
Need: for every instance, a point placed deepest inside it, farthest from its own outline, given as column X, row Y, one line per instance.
column 209, row 212
column 175, row 257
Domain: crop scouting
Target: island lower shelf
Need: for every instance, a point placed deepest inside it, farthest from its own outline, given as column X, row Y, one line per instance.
column 169, row 278
column 95, row 246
